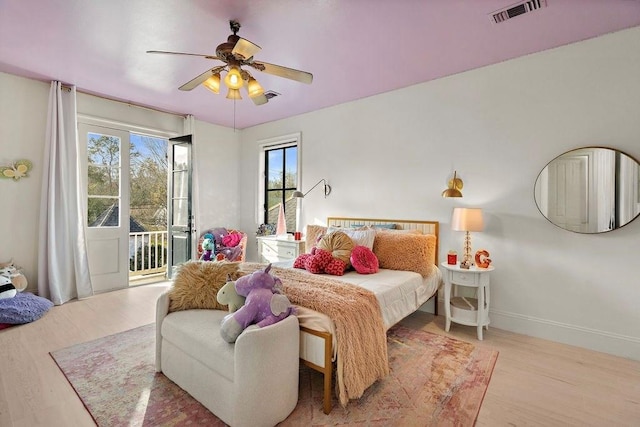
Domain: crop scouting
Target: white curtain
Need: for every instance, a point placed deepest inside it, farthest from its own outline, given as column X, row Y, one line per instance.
column 63, row 268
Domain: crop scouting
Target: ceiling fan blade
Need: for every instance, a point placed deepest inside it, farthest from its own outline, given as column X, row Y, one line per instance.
column 192, row 84
column 260, row 100
column 245, row 48
column 280, row 71
column 183, row 53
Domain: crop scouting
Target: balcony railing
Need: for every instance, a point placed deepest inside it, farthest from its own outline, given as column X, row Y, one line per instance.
column 147, row 254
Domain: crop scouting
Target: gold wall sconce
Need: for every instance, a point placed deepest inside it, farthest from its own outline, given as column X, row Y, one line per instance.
column 455, row 185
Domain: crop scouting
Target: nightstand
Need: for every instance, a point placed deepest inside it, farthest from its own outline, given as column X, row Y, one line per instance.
column 271, row 249
column 466, row 310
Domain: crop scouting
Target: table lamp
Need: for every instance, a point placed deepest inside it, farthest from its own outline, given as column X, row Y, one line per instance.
column 467, row 220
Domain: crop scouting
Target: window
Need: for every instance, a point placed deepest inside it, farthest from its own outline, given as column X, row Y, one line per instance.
column 280, row 165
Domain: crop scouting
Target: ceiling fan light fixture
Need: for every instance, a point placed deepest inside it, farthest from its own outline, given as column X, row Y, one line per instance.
column 233, row 79
column 213, row 83
column 234, row 94
column 254, row 88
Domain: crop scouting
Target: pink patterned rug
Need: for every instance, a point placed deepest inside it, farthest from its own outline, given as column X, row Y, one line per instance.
column 434, row 380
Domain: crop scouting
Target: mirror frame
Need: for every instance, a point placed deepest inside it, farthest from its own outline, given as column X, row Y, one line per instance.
column 583, row 166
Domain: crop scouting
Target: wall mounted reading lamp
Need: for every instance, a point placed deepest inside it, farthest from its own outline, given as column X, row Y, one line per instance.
column 327, row 190
column 455, row 185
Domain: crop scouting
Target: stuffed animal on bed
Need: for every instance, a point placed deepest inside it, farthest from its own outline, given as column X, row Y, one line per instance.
column 264, row 304
column 7, row 290
column 228, row 296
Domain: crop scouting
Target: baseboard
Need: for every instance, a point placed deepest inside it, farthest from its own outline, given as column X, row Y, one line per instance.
column 593, row 339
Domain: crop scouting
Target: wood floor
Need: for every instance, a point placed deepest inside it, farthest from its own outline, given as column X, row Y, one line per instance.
column 535, row 382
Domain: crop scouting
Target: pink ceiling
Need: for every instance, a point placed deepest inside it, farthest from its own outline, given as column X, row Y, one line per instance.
column 354, row 48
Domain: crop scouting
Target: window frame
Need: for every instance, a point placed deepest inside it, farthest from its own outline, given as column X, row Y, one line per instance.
column 281, row 142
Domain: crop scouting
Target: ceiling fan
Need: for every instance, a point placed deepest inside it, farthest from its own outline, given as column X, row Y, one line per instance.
column 237, row 52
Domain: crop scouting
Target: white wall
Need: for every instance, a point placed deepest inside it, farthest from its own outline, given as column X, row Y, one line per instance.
column 391, row 155
column 23, row 120
column 216, row 156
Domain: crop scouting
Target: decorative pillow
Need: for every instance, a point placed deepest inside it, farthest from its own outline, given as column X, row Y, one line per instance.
column 197, row 283
column 23, row 308
column 406, row 251
column 363, row 236
column 335, row 267
column 339, row 245
column 317, row 261
column 364, row 260
column 313, row 234
column 232, row 239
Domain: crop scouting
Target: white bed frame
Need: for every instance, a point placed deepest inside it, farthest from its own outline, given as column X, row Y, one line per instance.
column 316, row 346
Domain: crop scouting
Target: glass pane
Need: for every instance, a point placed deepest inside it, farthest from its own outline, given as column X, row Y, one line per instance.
column 291, row 167
column 290, row 210
column 274, row 174
column 103, row 212
column 180, row 184
column 103, row 180
column 180, row 157
column 103, row 149
column 274, row 199
column 180, row 212
column 148, row 181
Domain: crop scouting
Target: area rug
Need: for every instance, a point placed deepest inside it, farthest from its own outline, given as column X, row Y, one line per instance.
column 435, row 381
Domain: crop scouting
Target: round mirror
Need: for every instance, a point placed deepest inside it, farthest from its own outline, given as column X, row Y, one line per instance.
column 589, row 190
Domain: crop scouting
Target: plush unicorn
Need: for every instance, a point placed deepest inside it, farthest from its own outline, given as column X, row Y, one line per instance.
column 227, row 295
column 264, row 304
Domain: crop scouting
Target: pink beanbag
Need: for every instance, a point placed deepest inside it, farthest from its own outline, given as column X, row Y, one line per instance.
column 364, row 260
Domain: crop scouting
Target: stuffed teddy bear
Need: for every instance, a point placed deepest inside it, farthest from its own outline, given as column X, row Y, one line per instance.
column 228, row 296
column 320, row 261
column 7, row 290
column 264, row 304
column 208, row 247
column 16, row 278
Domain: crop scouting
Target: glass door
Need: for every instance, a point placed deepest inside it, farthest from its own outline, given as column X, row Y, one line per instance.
column 180, row 203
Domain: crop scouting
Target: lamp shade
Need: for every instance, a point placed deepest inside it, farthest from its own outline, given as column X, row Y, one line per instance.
column 467, row 219
column 254, row 88
column 233, row 79
column 213, row 83
column 233, row 94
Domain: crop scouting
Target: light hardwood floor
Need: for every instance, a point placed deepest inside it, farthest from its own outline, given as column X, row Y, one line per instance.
column 535, row 382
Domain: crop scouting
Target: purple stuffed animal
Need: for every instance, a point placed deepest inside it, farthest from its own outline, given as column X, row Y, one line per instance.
column 264, row 304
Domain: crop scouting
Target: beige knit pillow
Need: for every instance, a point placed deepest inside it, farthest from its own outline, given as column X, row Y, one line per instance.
column 406, row 251
column 197, row 283
column 313, row 234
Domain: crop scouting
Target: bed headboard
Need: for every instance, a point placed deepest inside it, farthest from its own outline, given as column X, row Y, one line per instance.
column 426, row 227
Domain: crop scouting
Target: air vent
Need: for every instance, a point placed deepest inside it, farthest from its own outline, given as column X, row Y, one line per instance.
column 271, row 94
column 517, row 9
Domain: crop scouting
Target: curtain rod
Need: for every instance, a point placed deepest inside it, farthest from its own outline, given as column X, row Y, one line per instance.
column 68, row 88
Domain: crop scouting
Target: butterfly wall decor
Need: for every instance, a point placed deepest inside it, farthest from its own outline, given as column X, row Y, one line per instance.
column 19, row 169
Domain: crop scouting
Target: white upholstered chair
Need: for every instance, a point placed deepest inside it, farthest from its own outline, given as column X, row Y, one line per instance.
column 253, row 382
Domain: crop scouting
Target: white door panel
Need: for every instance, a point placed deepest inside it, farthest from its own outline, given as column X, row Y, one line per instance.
column 106, row 190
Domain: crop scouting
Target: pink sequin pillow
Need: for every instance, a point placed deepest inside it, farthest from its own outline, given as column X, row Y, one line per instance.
column 364, row 260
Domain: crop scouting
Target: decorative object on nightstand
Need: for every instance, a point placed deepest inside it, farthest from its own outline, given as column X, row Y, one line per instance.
column 467, row 220
column 455, row 185
column 281, row 227
column 327, row 190
column 482, row 259
column 466, row 310
column 452, row 257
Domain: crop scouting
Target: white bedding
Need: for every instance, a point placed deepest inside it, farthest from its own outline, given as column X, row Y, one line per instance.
column 399, row 294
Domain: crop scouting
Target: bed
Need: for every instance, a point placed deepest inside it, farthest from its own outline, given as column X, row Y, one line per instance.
column 397, row 292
